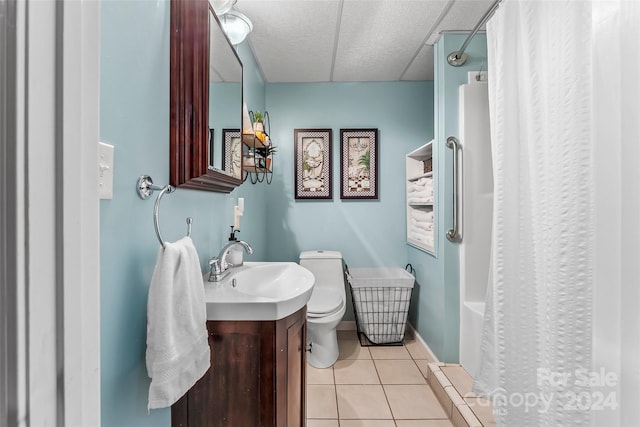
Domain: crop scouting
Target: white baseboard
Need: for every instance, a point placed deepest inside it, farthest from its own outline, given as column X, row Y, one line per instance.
column 418, row 338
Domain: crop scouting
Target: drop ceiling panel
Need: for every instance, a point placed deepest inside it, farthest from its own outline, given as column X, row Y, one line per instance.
column 293, row 39
column 464, row 15
column 422, row 66
column 378, row 39
column 363, row 40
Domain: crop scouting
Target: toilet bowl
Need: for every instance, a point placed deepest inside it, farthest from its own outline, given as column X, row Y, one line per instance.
column 326, row 306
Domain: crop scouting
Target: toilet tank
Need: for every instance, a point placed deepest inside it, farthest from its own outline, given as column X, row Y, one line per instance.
column 326, row 266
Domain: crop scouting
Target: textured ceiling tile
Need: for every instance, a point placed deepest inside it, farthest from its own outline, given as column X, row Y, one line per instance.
column 378, row 39
column 293, row 39
column 464, row 15
column 422, row 67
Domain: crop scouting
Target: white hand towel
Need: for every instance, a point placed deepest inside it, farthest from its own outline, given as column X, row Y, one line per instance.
column 177, row 340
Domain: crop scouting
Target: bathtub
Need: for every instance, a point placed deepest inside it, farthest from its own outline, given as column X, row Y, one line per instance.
column 476, row 210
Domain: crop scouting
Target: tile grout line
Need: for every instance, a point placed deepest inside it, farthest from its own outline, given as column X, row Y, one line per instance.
column 376, row 367
column 384, row 391
column 335, row 389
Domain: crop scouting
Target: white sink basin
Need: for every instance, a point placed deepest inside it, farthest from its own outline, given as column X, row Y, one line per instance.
column 259, row 291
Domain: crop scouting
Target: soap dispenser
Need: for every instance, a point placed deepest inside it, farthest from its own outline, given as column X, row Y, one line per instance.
column 235, row 255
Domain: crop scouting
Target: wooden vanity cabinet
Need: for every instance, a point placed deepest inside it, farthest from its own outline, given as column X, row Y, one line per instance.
column 257, row 376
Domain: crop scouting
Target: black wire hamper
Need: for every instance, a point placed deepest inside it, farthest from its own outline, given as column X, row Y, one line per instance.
column 381, row 299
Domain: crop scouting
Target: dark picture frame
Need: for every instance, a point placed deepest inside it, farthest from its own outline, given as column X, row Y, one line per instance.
column 232, row 149
column 312, row 164
column 211, row 146
column 358, row 163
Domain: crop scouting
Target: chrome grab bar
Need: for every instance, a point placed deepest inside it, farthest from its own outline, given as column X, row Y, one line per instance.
column 453, row 234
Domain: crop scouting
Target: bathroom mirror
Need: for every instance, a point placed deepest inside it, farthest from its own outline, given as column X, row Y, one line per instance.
column 225, row 103
column 205, row 100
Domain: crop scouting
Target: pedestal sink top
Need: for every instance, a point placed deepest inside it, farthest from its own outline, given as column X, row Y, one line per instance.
column 259, row 291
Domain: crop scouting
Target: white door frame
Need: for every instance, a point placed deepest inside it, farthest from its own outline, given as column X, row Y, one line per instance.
column 50, row 341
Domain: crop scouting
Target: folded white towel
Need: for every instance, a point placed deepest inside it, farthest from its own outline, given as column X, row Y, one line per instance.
column 422, row 236
column 421, row 215
column 421, row 225
column 178, row 352
column 416, row 199
column 425, row 181
column 422, row 193
column 417, row 188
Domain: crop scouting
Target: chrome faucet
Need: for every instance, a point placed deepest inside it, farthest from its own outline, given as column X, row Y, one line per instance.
column 219, row 267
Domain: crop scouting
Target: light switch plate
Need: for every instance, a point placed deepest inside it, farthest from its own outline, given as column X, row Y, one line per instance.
column 105, row 170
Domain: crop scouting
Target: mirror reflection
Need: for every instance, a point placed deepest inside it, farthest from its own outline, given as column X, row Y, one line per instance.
column 225, row 103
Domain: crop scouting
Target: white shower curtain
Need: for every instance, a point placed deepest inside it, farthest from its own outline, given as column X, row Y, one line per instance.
column 549, row 72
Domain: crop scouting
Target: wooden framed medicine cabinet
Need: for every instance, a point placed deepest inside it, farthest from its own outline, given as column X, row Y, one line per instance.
column 205, row 97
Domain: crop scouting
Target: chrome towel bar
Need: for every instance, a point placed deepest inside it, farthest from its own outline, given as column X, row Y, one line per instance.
column 145, row 188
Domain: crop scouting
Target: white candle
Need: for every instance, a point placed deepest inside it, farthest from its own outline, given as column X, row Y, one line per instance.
column 241, row 205
column 236, row 218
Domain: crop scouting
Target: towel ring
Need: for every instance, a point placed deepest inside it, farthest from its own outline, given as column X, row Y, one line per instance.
column 145, row 188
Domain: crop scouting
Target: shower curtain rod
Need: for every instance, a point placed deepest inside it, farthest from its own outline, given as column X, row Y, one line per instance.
column 458, row 57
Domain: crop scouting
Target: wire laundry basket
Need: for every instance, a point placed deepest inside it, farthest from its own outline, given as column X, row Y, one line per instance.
column 381, row 299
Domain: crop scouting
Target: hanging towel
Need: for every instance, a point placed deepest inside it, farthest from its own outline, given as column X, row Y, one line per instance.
column 177, row 340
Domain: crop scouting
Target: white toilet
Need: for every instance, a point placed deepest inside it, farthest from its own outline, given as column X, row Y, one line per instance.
column 325, row 307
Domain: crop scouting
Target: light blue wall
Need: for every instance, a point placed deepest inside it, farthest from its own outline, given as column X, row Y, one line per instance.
column 437, row 318
column 135, row 119
column 369, row 233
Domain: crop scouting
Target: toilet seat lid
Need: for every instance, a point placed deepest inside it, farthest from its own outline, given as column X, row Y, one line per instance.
column 324, row 301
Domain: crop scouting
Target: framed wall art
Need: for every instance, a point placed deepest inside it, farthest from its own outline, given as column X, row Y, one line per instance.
column 232, row 149
column 312, row 164
column 358, row 163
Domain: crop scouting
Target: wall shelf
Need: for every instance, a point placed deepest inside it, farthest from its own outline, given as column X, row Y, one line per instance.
column 257, row 164
column 420, row 201
column 423, row 175
column 252, row 141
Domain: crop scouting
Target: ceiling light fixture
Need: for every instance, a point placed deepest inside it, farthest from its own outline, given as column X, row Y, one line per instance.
column 236, row 26
column 220, row 7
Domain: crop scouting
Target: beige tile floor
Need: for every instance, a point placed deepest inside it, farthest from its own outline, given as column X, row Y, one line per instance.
column 373, row 387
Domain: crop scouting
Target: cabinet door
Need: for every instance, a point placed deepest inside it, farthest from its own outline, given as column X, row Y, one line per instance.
column 296, row 343
column 238, row 388
column 257, row 377
column 291, row 370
